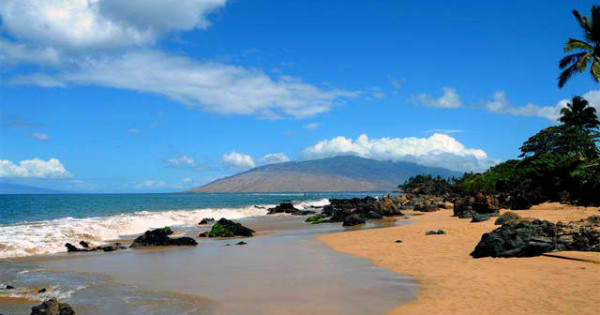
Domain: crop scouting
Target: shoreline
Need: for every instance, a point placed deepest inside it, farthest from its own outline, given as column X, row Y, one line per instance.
column 449, row 281
column 283, row 270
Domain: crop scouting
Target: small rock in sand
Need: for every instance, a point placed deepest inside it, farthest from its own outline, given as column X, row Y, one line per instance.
column 438, row 232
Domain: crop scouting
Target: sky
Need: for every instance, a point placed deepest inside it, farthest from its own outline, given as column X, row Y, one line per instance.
column 119, row 96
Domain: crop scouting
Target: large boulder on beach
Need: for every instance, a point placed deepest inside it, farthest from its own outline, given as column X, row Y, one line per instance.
column 288, row 208
column 389, row 207
column 527, row 238
column 52, row 307
column 160, row 237
column 469, row 206
column 507, row 217
column 523, row 239
column 228, row 228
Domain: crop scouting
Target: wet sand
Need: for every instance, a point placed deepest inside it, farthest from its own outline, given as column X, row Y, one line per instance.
column 281, row 271
column 451, row 282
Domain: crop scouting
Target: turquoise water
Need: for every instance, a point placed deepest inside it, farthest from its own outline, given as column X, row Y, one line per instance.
column 28, row 208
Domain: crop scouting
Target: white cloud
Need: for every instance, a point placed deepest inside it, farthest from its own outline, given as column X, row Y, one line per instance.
column 151, row 184
column 101, row 24
column 13, row 53
column 450, row 99
column 34, row 168
column 109, row 43
column 212, row 87
column 238, row 161
column 182, row 161
column 438, row 150
column 379, row 95
column 501, row 105
column 312, row 126
column 133, row 131
column 40, row 136
column 272, row 158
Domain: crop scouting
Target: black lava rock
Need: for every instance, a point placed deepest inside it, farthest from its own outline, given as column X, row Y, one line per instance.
column 525, row 238
column 160, row 237
column 228, row 228
column 353, row 219
column 438, row 232
column 480, row 218
column 52, row 307
column 206, row 221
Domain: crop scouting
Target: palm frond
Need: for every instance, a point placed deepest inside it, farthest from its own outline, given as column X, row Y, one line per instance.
column 570, row 59
column 583, row 62
column 585, row 24
column 567, row 74
column 573, row 44
column 595, row 69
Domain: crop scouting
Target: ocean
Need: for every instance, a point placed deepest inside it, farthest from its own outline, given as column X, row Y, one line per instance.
column 42, row 224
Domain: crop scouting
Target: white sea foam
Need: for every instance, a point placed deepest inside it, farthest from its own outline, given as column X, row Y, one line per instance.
column 308, row 205
column 46, row 237
column 31, row 293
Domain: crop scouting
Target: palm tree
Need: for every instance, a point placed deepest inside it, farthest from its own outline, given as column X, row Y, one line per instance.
column 588, row 49
column 579, row 114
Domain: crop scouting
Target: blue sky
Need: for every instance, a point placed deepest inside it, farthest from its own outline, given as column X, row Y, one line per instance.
column 112, row 96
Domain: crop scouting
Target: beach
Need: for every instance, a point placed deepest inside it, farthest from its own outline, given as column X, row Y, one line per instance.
column 293, row 267
column 452, row 282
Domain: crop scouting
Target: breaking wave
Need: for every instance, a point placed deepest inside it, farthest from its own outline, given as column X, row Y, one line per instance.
column 47, row 237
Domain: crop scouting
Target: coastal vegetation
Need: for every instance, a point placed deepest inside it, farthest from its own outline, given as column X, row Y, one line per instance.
column 559, row 163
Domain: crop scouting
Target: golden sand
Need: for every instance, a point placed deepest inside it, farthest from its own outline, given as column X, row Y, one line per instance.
column 451, row 282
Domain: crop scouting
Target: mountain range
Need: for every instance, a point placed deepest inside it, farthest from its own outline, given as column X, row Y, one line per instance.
column 342, row 173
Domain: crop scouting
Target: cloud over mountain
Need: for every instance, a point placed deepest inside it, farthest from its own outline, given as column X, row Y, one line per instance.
column 438, row 150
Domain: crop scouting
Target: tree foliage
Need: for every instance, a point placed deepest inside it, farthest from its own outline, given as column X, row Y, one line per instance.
column 426, row 185
column 559, row 163
column 587, row 51
column 580, row 114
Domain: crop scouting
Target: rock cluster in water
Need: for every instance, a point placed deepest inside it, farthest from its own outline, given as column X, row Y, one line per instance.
column 160, row 237
column 227, row 228
column 85, row 247
column 52, row 307
column 355, row 211
column 288, row 207
column 206, row 221
column 527, row 238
